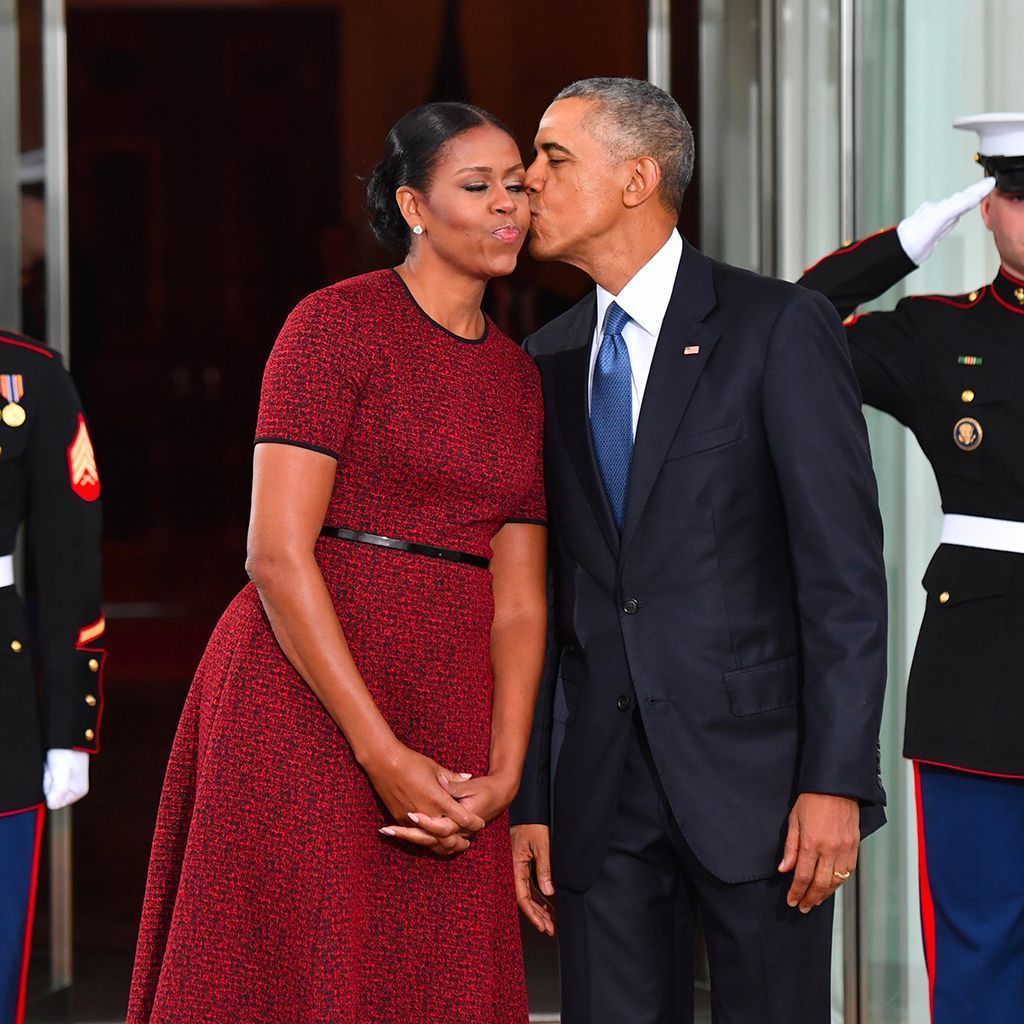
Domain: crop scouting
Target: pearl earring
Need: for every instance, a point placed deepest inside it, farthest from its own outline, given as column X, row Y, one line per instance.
column 418, row 230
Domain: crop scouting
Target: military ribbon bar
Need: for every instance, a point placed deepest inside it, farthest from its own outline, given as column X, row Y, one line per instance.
column 11, row 386
column 970, row 360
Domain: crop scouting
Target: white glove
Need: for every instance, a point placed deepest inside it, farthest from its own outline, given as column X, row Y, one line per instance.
column 931, row 222
column 65, row 777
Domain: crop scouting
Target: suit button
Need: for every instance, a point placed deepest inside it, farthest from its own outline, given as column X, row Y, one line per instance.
column 16, row 646
column 94, row 665
column 623, row 703
column 944, row 597
column 90, row 735
column 630, row 606
column 967, row 395
column 90, row 700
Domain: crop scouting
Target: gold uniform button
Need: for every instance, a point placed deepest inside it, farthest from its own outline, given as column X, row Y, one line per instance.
column 90, row 735
column 94, row 665
column 973, row 297
column 16, row 646
column 967, row 395
column 944, row 597
column 90, row 700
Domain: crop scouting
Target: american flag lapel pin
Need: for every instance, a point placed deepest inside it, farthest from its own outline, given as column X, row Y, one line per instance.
column 691, row 350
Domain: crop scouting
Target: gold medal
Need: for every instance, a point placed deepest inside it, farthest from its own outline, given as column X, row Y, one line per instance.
column 13, row 414
column 967, row 434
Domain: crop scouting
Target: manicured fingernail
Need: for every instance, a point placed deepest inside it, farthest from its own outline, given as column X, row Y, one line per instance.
column 779, row 868
column 547, row 888
column 414, row 817
column 791, row 902
column 386, row 831
column 805, row 910
column 465, row 776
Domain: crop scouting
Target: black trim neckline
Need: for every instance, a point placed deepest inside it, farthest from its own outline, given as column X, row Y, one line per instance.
column 426, row 316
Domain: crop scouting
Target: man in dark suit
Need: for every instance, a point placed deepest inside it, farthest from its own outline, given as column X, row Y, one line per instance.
column 719, row 639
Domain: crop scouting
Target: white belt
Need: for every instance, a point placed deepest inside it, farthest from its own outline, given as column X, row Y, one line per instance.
column 979, row 532
column 6, row 570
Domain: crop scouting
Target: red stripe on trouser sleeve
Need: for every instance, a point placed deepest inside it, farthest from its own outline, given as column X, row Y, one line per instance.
column 19, row 1016
column 927, row 906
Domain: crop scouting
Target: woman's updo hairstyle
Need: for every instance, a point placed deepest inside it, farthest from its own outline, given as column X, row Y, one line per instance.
column 411, row 151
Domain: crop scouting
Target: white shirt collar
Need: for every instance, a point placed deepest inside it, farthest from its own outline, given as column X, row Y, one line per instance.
column 645, row 297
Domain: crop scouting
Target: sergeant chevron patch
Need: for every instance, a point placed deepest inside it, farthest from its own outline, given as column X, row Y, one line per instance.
column 85, row 477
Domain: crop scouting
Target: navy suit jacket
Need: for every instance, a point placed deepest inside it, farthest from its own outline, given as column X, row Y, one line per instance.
column 742, row 610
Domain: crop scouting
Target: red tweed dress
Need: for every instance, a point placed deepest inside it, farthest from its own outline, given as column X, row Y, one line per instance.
column 272, row 898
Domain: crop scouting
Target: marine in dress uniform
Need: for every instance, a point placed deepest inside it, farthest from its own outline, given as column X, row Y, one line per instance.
column 49, row 483
column 951, row 368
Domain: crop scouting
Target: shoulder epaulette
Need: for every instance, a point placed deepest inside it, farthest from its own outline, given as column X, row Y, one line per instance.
column 20, row 341
column 967, row 301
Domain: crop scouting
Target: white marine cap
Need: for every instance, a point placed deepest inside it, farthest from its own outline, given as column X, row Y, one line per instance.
column 32, row 167
column 998, row 134
column 1000, row 147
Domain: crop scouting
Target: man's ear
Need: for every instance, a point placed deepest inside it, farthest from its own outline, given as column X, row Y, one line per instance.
column 986, row 211
column 643, row 182
column 410, row 205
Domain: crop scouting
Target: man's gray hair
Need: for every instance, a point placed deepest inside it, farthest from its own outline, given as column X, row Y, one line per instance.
column 635, row 118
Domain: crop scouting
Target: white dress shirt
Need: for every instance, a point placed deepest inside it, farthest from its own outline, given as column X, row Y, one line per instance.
column 645, row 299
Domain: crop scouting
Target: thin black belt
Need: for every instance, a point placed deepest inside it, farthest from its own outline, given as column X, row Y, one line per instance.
column 403, row 545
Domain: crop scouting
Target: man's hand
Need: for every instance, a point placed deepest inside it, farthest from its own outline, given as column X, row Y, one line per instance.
column 531, row 854
column 929, row 224
column 65, row 777
column 821, row 847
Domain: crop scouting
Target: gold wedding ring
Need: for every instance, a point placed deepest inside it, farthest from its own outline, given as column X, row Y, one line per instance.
column 841, row 875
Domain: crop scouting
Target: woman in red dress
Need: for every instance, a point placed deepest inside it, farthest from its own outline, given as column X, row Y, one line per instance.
column 374, row 671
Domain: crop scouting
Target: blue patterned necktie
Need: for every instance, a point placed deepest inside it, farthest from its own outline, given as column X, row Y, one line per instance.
column 611, row 410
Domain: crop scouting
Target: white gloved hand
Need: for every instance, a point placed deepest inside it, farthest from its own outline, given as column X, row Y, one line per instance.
column 929, row 224
column 65, row 777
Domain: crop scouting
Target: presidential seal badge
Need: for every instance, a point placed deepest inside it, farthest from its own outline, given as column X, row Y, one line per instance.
column 968, row 434
column 12, row 388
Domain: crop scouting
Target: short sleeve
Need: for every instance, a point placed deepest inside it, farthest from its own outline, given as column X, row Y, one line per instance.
column 312, row 380
column 532, row 507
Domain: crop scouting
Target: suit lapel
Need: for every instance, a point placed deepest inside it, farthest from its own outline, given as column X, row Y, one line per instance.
column 571, row 371
column 674, row 375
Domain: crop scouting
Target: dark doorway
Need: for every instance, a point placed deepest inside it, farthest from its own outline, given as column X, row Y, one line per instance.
column 204, row 154
column 204, row 177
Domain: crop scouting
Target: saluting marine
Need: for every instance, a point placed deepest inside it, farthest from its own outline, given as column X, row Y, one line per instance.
column 49, row 482
column 951, row 368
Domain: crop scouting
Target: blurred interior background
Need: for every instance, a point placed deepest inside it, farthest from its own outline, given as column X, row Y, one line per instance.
column 205, row 162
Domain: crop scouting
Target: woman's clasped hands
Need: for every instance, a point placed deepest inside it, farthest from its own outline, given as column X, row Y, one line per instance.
column 444, row 808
